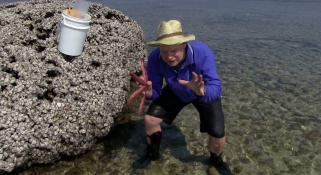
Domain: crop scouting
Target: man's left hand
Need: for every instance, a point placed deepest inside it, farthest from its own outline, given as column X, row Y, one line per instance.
column 196, row 84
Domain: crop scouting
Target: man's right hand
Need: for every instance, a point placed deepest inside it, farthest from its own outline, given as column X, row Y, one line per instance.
column 149, row 90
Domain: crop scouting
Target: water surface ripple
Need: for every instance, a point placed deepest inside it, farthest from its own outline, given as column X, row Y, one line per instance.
column 269, row 60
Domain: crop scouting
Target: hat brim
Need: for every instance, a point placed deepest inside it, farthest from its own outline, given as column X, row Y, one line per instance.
column 174, row 40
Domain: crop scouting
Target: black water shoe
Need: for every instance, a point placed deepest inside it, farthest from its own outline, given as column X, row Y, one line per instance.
column 221, row 166
column 152, row 151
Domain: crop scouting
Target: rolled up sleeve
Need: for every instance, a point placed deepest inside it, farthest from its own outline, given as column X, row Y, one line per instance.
column 211, row 79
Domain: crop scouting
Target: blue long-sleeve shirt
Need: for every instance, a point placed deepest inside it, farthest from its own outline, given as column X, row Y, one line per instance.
column 200, row 59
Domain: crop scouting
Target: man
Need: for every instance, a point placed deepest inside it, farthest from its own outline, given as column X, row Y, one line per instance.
column 188, row 67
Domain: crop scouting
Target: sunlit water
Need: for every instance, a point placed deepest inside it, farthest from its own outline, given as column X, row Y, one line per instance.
column 269, row 59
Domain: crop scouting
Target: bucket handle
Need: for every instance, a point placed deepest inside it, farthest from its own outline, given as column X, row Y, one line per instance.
column 81, row 28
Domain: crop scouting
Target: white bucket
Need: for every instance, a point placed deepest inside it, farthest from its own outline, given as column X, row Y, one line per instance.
column 73, row 33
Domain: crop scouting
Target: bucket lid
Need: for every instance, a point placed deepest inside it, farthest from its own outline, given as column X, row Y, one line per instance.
column 84, row 17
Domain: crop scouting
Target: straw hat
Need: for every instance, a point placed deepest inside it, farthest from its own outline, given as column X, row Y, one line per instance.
column 170, row 33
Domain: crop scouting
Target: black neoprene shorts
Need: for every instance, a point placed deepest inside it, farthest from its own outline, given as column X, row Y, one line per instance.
column 168, row 105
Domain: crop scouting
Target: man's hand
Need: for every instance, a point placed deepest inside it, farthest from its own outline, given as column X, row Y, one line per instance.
column 149, row 90
column 196, row 84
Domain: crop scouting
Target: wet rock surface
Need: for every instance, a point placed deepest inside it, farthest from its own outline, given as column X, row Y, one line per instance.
column 52, row 105
column 268, row 57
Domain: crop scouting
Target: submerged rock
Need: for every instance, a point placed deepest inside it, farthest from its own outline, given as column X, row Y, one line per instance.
column 51, row 104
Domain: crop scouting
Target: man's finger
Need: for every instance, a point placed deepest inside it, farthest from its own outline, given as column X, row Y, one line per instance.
column 194, row 77
column 202, row 92
column 149, row 85
column 183, row 82
column 149, row 91
column 201, row 84
column 200, row 80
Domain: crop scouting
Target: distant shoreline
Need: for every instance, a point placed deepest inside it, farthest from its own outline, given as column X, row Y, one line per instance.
column 8, row 1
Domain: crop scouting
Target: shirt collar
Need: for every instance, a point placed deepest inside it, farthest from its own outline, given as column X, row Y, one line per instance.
column 189, row 56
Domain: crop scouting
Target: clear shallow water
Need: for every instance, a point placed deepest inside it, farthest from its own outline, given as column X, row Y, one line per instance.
column 269, row 59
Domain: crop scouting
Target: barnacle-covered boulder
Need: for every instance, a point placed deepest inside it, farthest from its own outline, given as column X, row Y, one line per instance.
column 53, row 104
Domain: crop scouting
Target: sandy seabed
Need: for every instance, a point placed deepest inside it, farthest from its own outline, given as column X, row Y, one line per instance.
column 268, row 56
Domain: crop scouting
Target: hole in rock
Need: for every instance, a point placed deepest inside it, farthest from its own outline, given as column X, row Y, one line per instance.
column 12, row 59
column 31, row 27
column 49, row 14
column 3, row 87
column 43, row 34
column 18, row 12
column 38, row 21
column 10, row 6
column 53, row 62
column 40, row 48
column 14, row 73
column 95, row 63
column 53, row 73
column 28, row 42
column 76, row 98
column 49, row 95
column 26, row 17
column 111, row 15
column 62, row 95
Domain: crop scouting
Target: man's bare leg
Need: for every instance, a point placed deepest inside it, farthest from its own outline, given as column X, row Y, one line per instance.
column 216, row 145
column 154, row 134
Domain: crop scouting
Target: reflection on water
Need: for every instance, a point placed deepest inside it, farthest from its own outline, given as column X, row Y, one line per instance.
column 268, row 56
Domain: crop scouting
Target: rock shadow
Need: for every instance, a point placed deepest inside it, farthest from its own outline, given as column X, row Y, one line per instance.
column 132, row 136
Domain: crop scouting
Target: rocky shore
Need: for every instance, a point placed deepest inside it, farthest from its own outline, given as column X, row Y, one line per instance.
column 53, row 105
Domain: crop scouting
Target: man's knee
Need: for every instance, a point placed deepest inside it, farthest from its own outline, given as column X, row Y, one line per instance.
column 151, row 120
column 216, row 131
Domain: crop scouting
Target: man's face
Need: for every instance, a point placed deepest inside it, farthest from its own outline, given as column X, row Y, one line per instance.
column 173, row 54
